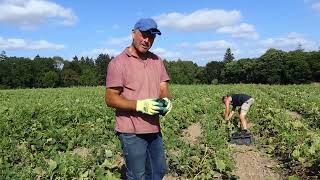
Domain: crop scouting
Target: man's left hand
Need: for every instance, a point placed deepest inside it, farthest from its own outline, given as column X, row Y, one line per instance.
column 168, row 108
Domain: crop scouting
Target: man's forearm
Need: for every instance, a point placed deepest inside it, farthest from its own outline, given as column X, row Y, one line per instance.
column 164, row 91
column 122, row 103
column 226, row 113
column 113, row 99
column 230, row 115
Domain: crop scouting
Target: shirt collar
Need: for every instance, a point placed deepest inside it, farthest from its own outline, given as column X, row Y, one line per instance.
column 131, row 55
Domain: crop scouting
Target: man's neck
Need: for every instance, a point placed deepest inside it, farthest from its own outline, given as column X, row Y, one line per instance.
column 135, row 52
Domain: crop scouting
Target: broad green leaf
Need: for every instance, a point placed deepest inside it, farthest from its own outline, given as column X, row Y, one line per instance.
column 108, row 153
column 296, row 153
column 84, row 175
column 220, row 165
column 293, row 178
column 52, row 165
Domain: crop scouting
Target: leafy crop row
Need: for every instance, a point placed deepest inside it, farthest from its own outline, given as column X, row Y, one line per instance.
column 67, row 133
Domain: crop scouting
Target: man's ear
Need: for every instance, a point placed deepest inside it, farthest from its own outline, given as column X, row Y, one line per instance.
column 132, row 33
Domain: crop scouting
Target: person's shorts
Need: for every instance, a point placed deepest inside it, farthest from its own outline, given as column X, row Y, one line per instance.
column 246, row 106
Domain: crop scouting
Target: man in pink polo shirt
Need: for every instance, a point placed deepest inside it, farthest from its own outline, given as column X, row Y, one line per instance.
column 135, row 79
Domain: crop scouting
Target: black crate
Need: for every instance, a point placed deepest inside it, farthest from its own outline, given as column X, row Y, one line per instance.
column 241, row 138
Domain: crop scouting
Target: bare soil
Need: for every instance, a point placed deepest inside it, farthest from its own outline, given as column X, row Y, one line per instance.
column 82, row 151
column 250, row 125
column 294, row 115
column 252, row 164
column 170, row 177
column 193, row 133
column 190, row 135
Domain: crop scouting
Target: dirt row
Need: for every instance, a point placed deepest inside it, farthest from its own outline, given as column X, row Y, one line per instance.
column 251, row 164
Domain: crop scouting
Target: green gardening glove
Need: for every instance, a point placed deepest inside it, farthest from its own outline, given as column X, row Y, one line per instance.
column 148, row 106
column 168, row 107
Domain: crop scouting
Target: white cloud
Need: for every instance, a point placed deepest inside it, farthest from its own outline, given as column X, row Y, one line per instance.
column 213, row 45
column 183, row 45
column 199, row 20
column 316, row 6
column 42, row 44
column 120, row 41
column 200, row 52
column 289, row 42
column 28, row 14
column 95, row 52
column 211, row 50
column 240, row 31
column 165, row 54
column 203, row 57
column 214, row 52
column 207, row 53
column 21, row 44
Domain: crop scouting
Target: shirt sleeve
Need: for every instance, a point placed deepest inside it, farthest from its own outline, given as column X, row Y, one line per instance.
column 114, row 74
column 164, row 75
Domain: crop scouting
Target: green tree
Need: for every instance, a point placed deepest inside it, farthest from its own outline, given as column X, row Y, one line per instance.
column 18, row 72
column 86, row 63
column 50, row 79
column 233, row 72
column 58, row 62
column 101, row 64
column 40, row 66
column 313, row 59
column 297, row 68
column 182, row 72
column 212, row 72
column 300, row 48
column 228, row 56
column 73, row 65
column 70, row 78
column 89, row 78
column 3, row 55
column 273, row 70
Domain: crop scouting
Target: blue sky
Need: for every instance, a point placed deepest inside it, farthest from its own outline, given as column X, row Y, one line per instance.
column 200, row 31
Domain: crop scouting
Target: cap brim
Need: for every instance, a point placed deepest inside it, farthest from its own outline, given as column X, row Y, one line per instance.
column 155, row 31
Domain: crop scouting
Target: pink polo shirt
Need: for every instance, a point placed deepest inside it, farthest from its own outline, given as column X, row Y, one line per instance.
column 140, row 79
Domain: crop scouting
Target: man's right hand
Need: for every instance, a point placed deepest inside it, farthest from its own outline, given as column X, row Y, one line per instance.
column 148, row 106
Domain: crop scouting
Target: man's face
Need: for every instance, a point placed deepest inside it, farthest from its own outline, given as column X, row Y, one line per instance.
column 142, row 40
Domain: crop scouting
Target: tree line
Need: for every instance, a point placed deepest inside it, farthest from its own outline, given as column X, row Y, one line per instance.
column 42, row 72
column 273, row 67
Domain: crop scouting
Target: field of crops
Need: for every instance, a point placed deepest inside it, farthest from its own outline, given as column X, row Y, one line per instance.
column 68, row 133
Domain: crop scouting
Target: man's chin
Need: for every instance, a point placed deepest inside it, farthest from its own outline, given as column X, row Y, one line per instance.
column 143, row 50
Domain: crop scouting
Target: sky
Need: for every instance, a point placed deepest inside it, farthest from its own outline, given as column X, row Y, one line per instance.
column 195, row 30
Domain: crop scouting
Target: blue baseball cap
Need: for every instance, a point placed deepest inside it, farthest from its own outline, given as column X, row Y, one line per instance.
column 147, row 24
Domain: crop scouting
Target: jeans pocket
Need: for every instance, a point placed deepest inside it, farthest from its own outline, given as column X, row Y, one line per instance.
column 126, row 135
column 128, row 138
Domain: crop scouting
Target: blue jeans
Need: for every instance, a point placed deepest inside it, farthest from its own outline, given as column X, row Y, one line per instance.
column 144, row 156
